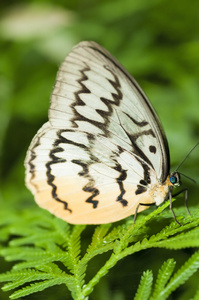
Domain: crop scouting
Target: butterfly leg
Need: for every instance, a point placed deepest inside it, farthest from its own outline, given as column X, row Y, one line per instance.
column 185, row 191
column 171, row 207
column 136, row 211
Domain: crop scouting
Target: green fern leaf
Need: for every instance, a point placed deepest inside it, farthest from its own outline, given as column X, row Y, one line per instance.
column 20, row 278
column 97, row 238
column 53, row 250
column 183, row 240
column 187, row 270
column 144, row 288
column 37, row 287
column 163, row 276
column 74, row 242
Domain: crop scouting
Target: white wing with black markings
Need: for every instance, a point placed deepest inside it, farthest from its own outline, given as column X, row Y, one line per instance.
column 103, row 150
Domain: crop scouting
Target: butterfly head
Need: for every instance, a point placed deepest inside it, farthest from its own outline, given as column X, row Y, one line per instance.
column 175, row 179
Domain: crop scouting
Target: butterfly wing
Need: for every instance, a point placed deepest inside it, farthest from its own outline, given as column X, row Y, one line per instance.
column 103, row 145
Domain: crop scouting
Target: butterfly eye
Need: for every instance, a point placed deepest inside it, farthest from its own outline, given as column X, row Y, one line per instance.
column 173, row 179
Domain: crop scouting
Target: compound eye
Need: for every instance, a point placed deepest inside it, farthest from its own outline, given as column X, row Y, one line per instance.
column 173, row 179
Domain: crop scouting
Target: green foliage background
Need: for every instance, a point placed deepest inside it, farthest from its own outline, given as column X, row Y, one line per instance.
column 157, row 41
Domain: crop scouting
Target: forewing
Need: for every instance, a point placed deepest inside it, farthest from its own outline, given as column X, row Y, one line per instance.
column 95, row 94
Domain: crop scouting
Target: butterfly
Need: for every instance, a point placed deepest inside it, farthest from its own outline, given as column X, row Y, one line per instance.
column 103, row 155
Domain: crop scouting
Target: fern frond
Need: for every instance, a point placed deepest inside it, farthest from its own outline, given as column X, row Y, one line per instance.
column 182, row 240
column 163, row 276
column 145, row 285
column 98, row 237
column 182, row 275
column 99, row 243
column 20, row 278
column 52, row 249
column 18, row 253
column 73, row 245
column 38, row 287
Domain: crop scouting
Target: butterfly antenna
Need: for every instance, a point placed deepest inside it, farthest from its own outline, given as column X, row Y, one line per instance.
column 187, row 177
column 186, row 158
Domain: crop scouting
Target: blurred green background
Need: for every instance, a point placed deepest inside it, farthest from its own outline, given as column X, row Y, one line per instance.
column 158, row 43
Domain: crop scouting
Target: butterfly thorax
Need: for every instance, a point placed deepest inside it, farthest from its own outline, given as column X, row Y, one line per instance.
column 159, row 191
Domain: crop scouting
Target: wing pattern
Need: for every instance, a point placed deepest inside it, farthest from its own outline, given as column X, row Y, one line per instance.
column 103, row 147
